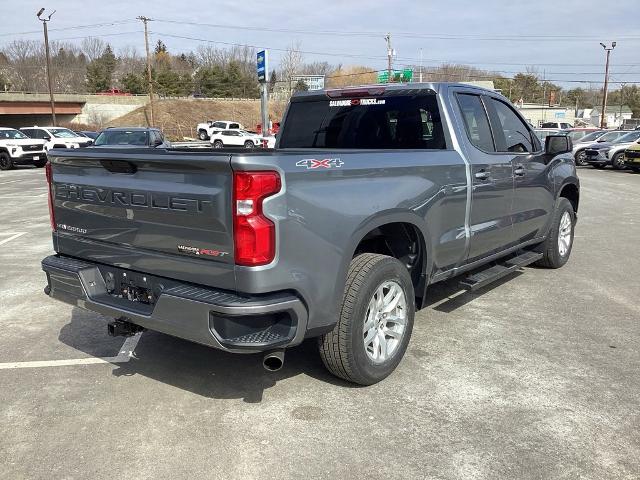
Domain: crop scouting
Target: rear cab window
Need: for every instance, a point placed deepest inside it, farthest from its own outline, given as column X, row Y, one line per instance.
column 391, row 121
column 476, row 121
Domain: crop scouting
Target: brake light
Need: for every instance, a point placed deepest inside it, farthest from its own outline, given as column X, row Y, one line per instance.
column 355, row 92
column 49, row 175
column 254, row 234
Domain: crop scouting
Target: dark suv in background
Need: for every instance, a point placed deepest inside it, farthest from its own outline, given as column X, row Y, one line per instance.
column 131, row 137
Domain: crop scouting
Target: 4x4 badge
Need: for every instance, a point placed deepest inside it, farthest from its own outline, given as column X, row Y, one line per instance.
column 312, row 163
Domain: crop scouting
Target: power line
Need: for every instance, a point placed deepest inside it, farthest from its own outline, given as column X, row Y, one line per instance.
column 442, row 36
column 375, row 57
column 73, row 27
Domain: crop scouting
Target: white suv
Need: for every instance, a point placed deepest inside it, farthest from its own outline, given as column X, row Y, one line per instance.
column 57, row 137
column 236, row 138
column 18, row 149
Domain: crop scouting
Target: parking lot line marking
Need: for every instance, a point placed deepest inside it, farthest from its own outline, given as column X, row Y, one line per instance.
column 18, row 197
column 124, row 355
column 12, row 237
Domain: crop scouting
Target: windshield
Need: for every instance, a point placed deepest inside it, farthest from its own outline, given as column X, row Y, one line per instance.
column 576, row 135
column 62, row 133
column 394, row 121
column 609, row 137
column 123, row 137
column 629, row 137
column 12, row 135
column 592, row 137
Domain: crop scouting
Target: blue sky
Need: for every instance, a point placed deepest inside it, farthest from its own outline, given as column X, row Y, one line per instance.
column 559, row 38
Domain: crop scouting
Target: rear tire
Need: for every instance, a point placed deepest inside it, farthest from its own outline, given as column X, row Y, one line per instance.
column 368, row 315
column 556, row 250
column 218, row 144
column 5, row 161
column 617, row 162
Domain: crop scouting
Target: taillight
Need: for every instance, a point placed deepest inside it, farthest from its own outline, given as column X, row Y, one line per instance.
column 49, row 175
column 254, row 234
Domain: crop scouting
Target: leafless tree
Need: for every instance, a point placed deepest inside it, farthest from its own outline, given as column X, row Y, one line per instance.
column 291, row 62
column 93, row 48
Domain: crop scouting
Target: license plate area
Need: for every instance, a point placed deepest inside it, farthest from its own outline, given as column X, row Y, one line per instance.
column 132, row 286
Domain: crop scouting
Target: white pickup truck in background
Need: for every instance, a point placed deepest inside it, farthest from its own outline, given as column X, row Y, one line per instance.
column 206, row 130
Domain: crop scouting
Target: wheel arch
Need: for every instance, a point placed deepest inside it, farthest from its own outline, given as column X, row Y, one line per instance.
column 571, row 192
column 391, row 226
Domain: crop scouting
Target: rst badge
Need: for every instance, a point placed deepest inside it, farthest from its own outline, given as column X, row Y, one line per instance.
column 312, row 163
column 201, row 251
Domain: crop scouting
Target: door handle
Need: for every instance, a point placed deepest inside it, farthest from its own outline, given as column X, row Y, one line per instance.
column 482, row 175
column 519, row 171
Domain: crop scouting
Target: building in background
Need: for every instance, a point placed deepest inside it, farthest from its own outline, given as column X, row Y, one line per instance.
column 615, row 116
column 313, row 82
column 537, row 114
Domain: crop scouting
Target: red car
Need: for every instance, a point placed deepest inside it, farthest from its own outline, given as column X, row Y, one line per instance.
column 113, row 91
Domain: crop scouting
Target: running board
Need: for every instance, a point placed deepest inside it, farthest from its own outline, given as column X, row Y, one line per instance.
column 496, row 272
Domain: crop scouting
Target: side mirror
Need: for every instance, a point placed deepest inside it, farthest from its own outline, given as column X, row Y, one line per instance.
column 557, row 144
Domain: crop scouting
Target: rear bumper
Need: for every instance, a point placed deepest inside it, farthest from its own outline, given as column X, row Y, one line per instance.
column 217, row 318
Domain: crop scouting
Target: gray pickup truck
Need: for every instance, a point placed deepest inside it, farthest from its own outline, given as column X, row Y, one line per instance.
column 371, row 195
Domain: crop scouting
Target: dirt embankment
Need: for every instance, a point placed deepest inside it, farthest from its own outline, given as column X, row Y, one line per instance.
column 178, row 117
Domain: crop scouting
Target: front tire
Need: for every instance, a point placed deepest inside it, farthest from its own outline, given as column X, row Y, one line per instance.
column 218, row 144
column 375, row 322
column 557, row 247
column 581, row 158
column 617, row 162
column 202, row 135
column 249, row 144
column 5, row 161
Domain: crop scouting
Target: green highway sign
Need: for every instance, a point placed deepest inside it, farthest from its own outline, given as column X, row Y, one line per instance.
column 400, row 76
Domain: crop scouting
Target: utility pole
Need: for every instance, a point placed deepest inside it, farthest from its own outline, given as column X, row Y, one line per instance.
column 48, row 55
column 621, row 102
column 145, row 20
column 389, row 55
column 603, row 118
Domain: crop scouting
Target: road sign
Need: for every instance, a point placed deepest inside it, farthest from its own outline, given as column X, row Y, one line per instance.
column 405, row 75
column 262, row 66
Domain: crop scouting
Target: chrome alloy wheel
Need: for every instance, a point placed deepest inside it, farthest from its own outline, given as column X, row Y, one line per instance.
column 385, row 322
column 564, row 234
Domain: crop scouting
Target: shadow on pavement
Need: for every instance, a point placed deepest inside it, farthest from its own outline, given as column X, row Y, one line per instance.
column 196, row 368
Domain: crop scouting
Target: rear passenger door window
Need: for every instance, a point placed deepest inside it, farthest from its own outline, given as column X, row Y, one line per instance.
column 476, row 121
column 512, row 134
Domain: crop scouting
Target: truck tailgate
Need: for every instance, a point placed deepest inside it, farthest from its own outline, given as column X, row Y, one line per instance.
column 160, row 212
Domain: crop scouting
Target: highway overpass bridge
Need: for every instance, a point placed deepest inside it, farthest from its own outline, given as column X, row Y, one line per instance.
column 25, row 109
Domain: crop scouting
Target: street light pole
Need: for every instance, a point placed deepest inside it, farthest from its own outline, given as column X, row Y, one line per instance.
column 48, row 55
column 606, row 84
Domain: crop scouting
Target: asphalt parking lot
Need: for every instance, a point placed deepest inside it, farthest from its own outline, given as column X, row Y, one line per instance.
column 536, row 377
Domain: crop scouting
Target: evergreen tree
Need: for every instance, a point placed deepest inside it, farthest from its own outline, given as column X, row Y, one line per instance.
column 134, row 83
column 100, row 71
